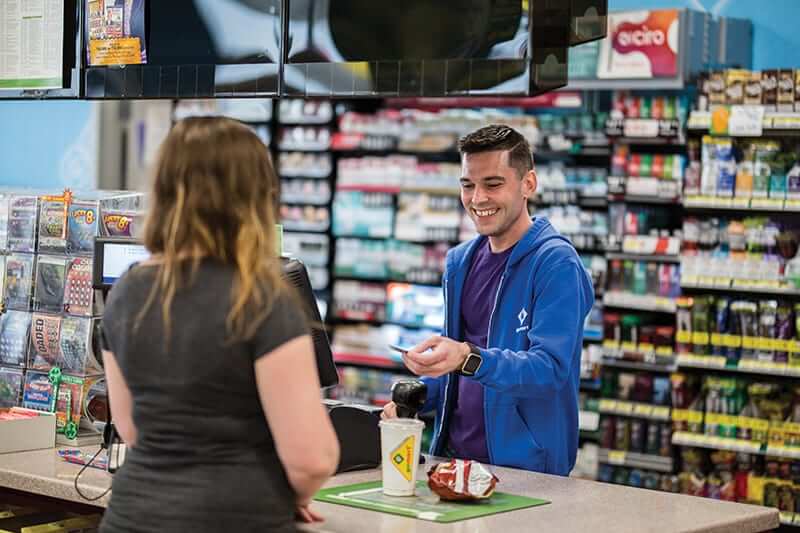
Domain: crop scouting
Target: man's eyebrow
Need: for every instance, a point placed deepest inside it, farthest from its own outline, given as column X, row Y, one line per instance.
column 485, row 178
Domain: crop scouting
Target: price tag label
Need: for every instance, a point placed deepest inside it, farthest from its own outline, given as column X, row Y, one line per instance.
column 722, row 282
column 665, row 351
column 763, row 343
column 749, row 343
column 743, row 203
column 683, row 336
column 793, row 346
column 716, row 339
column 661, row 412
column 641, row 127
column 610, row 345
column 642, row 409
column 616, row 457
column 792, row 205
column 607, row 406
column 624, row 408
column 700, row 337
column 628, row 346
column 746, row 121
column 732, row 341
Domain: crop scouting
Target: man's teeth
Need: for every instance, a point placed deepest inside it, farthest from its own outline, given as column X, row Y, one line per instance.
column 485, row 212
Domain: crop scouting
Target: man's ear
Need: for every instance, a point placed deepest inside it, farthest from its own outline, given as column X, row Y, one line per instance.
column 530, row 183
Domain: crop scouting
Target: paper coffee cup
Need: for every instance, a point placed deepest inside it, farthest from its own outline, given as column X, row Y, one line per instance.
column 400, row 444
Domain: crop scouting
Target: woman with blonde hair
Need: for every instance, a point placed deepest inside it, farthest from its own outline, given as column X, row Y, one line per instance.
column 210, row 367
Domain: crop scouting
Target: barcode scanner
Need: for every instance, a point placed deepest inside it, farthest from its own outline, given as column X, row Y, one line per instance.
column 409, row 396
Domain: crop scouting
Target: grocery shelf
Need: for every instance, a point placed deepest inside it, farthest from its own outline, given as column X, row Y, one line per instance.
column 667, row 366
column 686, row 438
column 659, row 200
column 644, row 257
column 635, row 460
column 744, row 367
column 786, row 292
column 639, row 302
column 634, row 409
column 740, row 205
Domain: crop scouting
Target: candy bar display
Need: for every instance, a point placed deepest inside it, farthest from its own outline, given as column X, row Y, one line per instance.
column 730, row 332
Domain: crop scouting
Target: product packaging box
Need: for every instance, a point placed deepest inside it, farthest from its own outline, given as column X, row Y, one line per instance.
column 753, row 90
column 25, row 429
column 786, row 90
column 797, row 92
column 716, row 88
column 735, row 80
column 769, row 89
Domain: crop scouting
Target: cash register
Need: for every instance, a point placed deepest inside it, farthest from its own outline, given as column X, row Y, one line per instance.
column 356, row 425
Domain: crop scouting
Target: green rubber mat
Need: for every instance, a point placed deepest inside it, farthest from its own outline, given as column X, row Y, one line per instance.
column 424, row 505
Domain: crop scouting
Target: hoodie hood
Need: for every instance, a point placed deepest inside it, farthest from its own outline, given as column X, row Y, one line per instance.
column 540, row 232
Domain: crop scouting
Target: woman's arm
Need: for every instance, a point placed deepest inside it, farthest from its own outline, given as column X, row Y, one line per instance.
column 120, row 400
column 289, row 388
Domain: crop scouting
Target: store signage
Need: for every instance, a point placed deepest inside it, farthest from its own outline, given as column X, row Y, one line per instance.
column 640, row 44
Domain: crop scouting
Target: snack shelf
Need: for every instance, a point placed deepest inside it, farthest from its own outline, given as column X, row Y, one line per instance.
column 635, row 460
column 685, row 438
column 667, row 366
column 640, row 302
column 744, row 367
column 634, row 409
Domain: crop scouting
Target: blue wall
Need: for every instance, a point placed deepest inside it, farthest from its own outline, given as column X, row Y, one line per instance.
column 48, row 144
column 776, row 40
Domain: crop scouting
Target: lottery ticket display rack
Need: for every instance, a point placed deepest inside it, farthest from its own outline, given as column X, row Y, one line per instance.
column 49, row 353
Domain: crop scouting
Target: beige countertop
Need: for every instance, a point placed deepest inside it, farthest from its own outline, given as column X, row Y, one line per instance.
column 576, row 505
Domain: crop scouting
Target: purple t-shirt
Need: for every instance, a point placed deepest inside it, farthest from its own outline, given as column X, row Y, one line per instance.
column 467, row 430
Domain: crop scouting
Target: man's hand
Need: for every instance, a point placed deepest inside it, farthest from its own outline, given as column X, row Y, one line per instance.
column 445, row 356
column 304, row 514
column 389, row 411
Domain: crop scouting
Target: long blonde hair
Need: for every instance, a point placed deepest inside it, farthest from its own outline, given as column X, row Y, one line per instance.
column 215, row 197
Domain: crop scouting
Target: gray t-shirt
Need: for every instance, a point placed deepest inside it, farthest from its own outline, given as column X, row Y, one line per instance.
column 204, row 458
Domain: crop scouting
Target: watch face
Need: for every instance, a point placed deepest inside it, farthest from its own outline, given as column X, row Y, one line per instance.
column 472, row 364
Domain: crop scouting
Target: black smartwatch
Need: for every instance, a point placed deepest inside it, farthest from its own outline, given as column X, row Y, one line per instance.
column 473, row 361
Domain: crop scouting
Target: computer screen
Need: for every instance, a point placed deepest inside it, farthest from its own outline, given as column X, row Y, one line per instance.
column 113, row 257
column 296, row 274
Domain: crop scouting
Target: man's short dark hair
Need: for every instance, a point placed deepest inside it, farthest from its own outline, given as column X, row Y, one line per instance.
column 497, row 137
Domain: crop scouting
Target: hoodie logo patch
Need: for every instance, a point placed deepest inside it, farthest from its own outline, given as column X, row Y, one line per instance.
column 523, row 314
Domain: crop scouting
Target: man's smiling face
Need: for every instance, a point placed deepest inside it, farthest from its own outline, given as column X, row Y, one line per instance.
column 492, row 192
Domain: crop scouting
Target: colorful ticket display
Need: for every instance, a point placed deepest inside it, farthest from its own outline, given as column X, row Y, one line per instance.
column 62, row 342
column 53, row 225
column 120, row 223
column 116, row 32
column 19, row 281
column 50, row 279
column 78, row 292
column 22, row 216
column 39, row 392
column 14, row 329
column 82, row 227
column 10, row 386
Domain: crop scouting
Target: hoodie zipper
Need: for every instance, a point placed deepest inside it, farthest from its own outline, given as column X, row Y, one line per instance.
column 447, row 378
column 488, row 337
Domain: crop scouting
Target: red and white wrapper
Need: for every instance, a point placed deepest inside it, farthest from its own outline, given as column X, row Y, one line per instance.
column 460, row 479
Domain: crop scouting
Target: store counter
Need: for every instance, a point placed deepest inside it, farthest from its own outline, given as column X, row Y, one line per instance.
column 576, row 505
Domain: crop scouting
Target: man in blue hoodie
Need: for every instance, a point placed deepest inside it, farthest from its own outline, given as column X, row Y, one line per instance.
column 504, row 376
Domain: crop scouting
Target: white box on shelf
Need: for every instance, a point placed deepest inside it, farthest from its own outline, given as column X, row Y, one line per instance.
column 23, row 434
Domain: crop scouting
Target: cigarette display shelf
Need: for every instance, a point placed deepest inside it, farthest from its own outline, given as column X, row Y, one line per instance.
column 381, row 279
column 635, row 460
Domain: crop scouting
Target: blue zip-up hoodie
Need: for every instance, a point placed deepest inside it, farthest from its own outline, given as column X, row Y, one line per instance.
column 531, row 367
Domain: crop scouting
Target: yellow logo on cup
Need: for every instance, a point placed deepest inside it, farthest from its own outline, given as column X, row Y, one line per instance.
column 403, row 457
